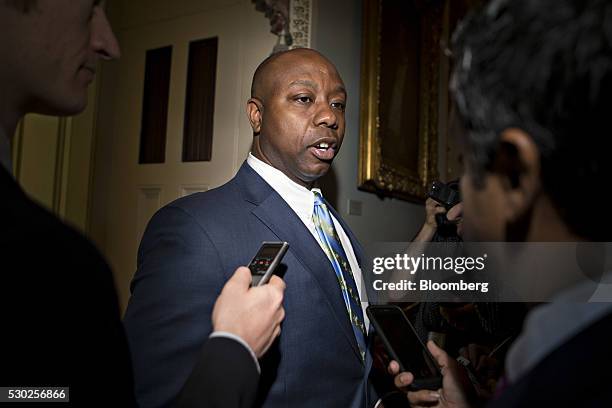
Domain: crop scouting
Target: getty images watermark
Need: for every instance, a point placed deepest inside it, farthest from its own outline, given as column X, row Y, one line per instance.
column 487, row 271
column 402, row 264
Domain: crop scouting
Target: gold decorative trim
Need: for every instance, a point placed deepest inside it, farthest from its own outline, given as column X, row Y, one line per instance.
column 375, row 175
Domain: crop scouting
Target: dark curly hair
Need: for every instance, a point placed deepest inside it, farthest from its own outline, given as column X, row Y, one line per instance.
column 543, row 66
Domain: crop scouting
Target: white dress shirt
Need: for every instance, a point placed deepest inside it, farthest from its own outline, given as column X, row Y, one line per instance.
column 301, row 201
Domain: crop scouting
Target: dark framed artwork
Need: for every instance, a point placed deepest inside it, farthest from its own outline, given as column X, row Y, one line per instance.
column 400, row 87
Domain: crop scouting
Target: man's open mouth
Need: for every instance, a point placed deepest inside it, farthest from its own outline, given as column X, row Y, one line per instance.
column 324, row 150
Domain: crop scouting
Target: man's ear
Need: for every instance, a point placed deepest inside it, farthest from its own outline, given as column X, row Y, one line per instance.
column 517, row 164
column 255, row 113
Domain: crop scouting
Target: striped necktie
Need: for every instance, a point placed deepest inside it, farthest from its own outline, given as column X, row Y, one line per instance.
column 335, row 252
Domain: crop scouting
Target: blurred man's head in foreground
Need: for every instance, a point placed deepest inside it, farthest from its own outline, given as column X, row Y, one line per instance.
column 532, row 88
column 50, row 50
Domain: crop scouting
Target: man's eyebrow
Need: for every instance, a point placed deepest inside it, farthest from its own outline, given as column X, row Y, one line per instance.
column 341, row 89
column 304, row 82
column 314, row 85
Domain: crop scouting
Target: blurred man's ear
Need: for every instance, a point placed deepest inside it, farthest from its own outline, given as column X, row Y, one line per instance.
column 517, row 165
column 254, row 112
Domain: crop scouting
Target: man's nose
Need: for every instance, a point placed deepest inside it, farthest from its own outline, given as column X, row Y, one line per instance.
column 326, row 116
column 103, row 40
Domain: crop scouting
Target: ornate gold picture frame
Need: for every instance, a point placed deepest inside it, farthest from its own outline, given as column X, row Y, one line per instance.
column 399, row 97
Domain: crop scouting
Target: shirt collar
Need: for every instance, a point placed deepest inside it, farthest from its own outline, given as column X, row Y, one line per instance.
column 568, row 314
column 299, row 198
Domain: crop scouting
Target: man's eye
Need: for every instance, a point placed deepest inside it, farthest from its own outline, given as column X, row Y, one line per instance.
column 338, row 105
column 304, row 99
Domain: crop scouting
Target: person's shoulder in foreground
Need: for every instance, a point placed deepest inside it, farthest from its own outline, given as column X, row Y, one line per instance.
column 59, row 301
column 58, row 298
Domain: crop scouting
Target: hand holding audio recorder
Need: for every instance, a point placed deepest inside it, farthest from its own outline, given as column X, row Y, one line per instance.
column 266, row 260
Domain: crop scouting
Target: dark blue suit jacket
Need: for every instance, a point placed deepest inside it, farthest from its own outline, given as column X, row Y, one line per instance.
column 190, row 248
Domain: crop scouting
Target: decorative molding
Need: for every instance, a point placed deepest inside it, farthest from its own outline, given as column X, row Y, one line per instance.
column 148, row 201
column 290, row 20
column 200, row 100
column 154, row 113
column 300, row 21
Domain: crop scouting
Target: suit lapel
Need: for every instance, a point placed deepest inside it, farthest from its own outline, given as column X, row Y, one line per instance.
column 276, row 214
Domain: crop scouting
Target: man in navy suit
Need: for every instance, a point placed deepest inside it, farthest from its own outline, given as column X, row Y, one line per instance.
column 296, row 111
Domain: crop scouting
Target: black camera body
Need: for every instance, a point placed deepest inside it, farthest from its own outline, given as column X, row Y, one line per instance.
column 448, row 197
column 443, row 194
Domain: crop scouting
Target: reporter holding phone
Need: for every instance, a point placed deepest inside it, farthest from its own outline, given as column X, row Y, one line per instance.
column 456, row 386
column 533, row 106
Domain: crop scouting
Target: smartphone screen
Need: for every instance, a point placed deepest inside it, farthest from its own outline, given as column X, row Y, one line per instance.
column 405, row 346
column 266, row 260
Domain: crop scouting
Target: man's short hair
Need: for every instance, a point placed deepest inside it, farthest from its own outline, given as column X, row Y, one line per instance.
column 544, row 66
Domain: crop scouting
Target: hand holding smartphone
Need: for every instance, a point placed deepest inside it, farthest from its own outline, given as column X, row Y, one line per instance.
column 404, row 346
column 266, row 260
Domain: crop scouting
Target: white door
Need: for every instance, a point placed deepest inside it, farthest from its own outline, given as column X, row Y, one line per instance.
column 132, row 192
